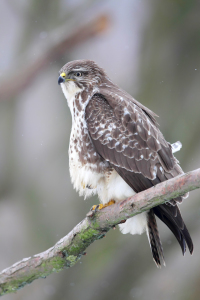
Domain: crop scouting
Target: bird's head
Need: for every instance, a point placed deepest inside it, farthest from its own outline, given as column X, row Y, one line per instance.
column 81, row 73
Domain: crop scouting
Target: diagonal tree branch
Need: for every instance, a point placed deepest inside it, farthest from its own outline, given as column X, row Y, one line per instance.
column 66, row 252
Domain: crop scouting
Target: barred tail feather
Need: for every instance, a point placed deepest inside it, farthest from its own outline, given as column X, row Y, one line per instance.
column 154, row 239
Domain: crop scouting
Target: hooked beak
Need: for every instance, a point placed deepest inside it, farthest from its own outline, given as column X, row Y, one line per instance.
column 61, row 79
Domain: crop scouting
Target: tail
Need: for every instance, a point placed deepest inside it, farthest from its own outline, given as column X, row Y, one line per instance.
column 154, row 239
column 171, row 216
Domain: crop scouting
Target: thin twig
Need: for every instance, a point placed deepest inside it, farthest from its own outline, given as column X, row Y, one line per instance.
column 66, row 252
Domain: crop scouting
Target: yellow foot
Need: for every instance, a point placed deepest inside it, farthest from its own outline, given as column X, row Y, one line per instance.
column 100, row 206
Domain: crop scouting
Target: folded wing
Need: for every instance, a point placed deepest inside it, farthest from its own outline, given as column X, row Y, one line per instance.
column 126, row 134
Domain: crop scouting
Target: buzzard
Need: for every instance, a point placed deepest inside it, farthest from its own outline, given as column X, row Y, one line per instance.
column 116, row 150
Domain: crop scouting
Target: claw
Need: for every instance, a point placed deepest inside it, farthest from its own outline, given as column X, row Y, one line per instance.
column 97, row 207
column 101, row 206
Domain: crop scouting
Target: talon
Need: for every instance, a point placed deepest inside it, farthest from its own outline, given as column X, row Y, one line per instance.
column 93, row 207
column 101, row 206
column 96, row 207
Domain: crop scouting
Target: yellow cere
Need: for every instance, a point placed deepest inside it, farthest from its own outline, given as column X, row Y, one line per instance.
column 63, row 75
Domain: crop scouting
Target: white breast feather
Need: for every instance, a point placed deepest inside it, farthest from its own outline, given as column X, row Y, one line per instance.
column 134, row 225
column 117, row 189
column 114, row 187
column 70, row 91
column 83, row 176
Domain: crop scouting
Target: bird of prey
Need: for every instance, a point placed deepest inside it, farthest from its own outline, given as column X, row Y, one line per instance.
column 116, row 150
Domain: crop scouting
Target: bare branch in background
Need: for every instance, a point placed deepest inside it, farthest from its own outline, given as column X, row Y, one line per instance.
column 69, row 249
column 66, row 43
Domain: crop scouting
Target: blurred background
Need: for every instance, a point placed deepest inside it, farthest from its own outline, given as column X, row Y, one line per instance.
column 149, row 48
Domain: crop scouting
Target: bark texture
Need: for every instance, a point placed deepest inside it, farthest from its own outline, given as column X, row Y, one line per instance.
column 67, row 251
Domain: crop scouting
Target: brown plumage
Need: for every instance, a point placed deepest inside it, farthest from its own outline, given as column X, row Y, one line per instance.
column 115, row 132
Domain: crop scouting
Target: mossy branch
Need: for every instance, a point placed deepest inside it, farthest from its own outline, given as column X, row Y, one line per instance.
column 66, row 252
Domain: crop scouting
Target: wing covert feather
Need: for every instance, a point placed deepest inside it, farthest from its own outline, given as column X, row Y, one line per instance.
column 131, row 142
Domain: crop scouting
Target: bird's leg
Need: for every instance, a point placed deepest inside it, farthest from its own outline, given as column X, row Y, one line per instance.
column 100, row 206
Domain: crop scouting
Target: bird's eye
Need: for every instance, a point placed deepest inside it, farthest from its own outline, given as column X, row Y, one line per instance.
column 78, row 74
